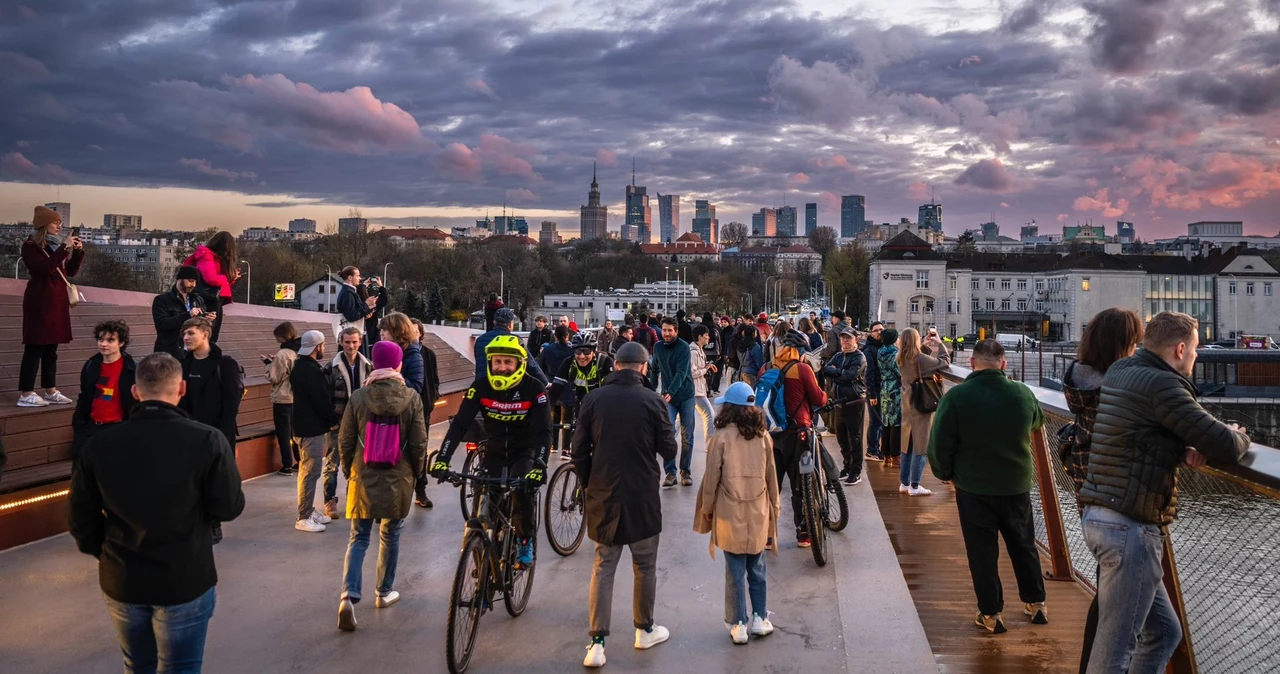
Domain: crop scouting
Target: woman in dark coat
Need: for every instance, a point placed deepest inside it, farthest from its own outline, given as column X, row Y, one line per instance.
column 46, row 309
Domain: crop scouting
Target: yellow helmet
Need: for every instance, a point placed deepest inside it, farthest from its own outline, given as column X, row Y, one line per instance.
column 505, row 345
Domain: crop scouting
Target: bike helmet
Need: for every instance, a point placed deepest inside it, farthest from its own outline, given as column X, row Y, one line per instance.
column 796, row 339
column 505, row 345
column 584, row 340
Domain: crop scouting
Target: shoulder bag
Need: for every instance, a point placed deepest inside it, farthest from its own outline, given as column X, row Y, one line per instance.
column 74, row 295
column 926, row 392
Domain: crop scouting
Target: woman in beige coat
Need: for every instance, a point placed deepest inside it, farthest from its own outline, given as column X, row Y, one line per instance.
column 915, row 363
column 738, row 505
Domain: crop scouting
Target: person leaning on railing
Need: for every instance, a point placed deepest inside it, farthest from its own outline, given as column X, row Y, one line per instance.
column 1148, row 423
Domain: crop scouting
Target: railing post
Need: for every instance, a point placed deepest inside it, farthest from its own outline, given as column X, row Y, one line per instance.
column 1184, row 658
column 1059, row 553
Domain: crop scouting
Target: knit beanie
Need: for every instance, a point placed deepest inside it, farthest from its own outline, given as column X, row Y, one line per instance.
column 44, row 217
column 387, row 355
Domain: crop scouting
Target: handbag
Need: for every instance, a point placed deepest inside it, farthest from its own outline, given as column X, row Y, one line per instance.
column 74, row 296
column 926, row 392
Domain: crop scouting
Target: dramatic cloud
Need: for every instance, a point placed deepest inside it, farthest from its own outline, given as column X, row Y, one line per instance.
column 16, row 167
column 986, row 174
column 203, row 166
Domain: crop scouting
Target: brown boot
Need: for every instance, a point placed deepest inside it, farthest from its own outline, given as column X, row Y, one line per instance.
column 331, row 509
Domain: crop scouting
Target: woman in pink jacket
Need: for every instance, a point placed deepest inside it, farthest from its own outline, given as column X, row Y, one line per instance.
column 216, row 262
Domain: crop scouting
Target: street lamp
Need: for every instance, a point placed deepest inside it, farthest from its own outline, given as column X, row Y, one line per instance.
column 502, row 284
column 766, row 292
column 385, row 285
column 328, row 278
column 15, row 267
column 248, row 283
column 666, row 288
column 1235, row 309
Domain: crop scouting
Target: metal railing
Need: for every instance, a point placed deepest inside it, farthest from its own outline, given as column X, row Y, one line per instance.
column 1222, row 556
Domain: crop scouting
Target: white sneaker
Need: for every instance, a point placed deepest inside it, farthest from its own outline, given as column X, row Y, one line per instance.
column 56, row 398
column 653, row 637
column 387, row 599
column 903, row 489
column 919, row 491
column 595, row 656
column 32, row 400
column 319, row 517
column 308, row 524
column 760, row 626
column 346, row 616
column 738, row 633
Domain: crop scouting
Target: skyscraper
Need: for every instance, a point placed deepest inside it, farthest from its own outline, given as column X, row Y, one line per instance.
column 548, row 233
column 853, row 215
column 786, row 222
column 810, row 218
column 638, row 212
column 990, row 229
column 305, row 225
column 669, row 216
column 705, row 224
column 930, row 217
column 594, row 221
column 764, row 223
column 1125, row 232
column 353, row 225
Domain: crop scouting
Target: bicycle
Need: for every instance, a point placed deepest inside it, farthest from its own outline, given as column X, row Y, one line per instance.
column 486, row 566
column 823, row 499
column 470, row 466
column 565, row 510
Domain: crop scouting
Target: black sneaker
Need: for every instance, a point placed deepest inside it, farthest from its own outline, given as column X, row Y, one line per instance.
column 844, row 472
column 853, row 479
column 686, row 480
column 287, row 470
column 420, row 497
column 802, row 539
column 670, row 481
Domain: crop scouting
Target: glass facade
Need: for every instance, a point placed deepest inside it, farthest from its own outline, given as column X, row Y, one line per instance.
column 1188, row 294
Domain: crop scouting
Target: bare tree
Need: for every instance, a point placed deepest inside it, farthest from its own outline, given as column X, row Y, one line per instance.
column 733, row 235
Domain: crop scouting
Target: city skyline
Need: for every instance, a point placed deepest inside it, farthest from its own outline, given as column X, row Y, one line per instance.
column 1157, row 113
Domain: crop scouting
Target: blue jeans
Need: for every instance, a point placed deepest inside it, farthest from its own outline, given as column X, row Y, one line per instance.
column 912, row 466
column 388, row 555
column 741, row 571
column 1137, row 628
column 688, row 413
column 874, row 424
column 166, row 639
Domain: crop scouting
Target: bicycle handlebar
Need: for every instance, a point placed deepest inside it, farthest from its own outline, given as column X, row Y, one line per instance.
column 456, row 479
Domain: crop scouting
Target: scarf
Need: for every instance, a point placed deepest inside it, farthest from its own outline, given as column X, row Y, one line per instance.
column 384, row 373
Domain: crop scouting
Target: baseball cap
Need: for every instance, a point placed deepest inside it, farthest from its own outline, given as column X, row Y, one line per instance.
column 310, row 340
column 740, row 393
column 762, row 317
column 633, row 353
column 504, row 316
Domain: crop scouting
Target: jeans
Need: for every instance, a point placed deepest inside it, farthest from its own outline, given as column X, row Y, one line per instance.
column 787, row 446
column 43, row 357
column 687, row 411
column 1138, row 630
column 741, row 572
column 849, row 434
column 874, row 426
column 983, row 521
column 164, row 639
column 388, row 555
column 311, row 453
column 332, row 464
column 282, row 417
column 708, row 415
column 644, row 565
column 912, row 465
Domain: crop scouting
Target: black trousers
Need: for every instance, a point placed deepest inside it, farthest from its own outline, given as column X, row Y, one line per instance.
column 217, row 327
column 983, row 520
column 282, row 416
column 526, row 511
column 891, row 442
column 713, row 378
column 42, row 357
column 849, row 435
column 786, row 460
column 81, row 436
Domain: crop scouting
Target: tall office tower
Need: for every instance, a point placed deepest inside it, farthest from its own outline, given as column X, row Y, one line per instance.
column 990, row 229
column 63, row 209
column 1030, row 231
column 548, row 233
column 853, row 215
column 306, row 225
column 485, row 224
column 1125, row 232
column 594, row 218
column 638, row 211
column 764, row 223
column 810, row 218
column 668, row 217
column 930, row 217
column 353, row 225
column 119, row 220
column 705, row 224
column 518, row 225
column 630, row 232
column 786, row 221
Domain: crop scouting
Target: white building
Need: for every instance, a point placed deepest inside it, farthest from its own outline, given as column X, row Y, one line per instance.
column 687, row 248
column 268, row 234
column 591, row 308
column 1246, row 294
column 426, row 236
column 117, row 221
column 319, row 295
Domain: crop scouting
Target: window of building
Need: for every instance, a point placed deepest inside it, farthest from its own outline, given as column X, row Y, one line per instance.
column 922, row 279
column 1248, row 288
column 1022, row 305
column 915, row 306
column 1266, row 289
column 975, row 283
column 976, row 305
column 1182, row 307
column 1155, row 284
column 1231, row 288
column 928, row 306
column 1005, row 284
column 1084, row 284
column 1168, row 284
column 1022, row 284
column 952, row 283
column 953, row 330
column 991, row 284
column 1039, row 285
column 1040, row 306
column 1004, row 305
column 891, row 306
column 1155, row 307
column 1182, row 283
column 991, row 305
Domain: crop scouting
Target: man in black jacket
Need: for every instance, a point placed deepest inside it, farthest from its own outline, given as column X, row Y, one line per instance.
column 106, row 386
column 874, row 425
column 623, row 428
column 1148, row 424
column 313, row 416
column 141, row 501
column 846, row 373
column 214, row 381
column 170, row 309
column 539, row 337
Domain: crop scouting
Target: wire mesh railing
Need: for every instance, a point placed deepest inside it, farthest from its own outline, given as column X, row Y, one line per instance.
column 1225, row 549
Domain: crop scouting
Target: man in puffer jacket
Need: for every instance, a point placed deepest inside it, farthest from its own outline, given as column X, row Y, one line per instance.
column 1148, row 424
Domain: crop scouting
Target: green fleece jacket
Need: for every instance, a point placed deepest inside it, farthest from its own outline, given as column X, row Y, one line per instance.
column 981, row 436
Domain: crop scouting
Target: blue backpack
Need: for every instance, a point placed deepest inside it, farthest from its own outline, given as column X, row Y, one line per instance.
column 769, row 395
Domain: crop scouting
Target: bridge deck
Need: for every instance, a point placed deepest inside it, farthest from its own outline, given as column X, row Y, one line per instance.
column 925, row 532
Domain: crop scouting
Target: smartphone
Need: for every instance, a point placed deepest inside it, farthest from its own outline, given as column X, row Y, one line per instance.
column 75, row 231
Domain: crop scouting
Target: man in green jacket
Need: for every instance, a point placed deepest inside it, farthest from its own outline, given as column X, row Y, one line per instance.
column 981, row 441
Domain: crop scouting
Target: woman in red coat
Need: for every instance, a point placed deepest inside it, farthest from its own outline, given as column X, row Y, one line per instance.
column 216, row 262
column 46, row 310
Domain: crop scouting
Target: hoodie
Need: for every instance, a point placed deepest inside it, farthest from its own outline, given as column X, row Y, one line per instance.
column 382, row 493
column 672, row 363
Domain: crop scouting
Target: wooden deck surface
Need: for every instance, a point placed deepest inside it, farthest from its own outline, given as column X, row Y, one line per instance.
column 925, row 531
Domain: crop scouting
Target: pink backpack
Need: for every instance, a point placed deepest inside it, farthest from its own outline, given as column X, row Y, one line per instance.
column 381, row 441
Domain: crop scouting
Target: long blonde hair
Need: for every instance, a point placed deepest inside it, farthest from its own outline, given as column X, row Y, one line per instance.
column 908, row 346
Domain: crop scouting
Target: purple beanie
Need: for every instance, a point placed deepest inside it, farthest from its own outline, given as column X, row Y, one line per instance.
column 387, row 355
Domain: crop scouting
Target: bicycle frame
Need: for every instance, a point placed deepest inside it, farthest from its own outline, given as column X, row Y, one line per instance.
column 490, row 521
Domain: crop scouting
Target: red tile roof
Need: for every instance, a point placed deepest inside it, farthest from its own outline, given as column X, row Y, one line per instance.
column 427, row 233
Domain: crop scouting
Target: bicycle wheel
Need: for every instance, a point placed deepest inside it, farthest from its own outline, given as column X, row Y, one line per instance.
column 467, row 490
column 519, row 582
column 813, row 501
column 466, row 604
column 565, row 512
column 837, row 506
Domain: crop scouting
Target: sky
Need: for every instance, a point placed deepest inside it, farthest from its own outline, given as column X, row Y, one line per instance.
column 237, row 113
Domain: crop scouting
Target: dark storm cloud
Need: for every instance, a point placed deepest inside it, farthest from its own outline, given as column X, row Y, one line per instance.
column 986, row 174
column 1125, row 32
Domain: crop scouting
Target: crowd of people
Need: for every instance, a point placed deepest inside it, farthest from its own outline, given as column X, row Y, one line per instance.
column 623, row 404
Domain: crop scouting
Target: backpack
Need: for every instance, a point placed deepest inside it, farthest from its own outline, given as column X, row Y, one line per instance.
column 770, row 395
column 381, row 441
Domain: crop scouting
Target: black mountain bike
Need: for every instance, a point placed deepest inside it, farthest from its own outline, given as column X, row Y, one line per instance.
column 470, row 466
column 565, row 511
column 486, row 568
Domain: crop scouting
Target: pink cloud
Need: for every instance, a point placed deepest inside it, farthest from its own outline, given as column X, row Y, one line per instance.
column 507, row 157
column 1004, row 204
column 15, row 166
column 799, row 178
column 606, row 157
column 971, row 61
column 829, row 202
column 460, row 160
column 1101, row 202
column 480, row 86
column 203, row 166
column 1221, row 179
column 521, row 195
column 918, row 191
column 1062, row 218
column 15, row 66
column 835, row 161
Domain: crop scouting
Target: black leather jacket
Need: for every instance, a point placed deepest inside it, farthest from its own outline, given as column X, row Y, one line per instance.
column 848, row 372
column 1147, row 417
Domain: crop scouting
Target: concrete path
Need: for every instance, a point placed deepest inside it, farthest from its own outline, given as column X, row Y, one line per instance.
column 278, row 594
